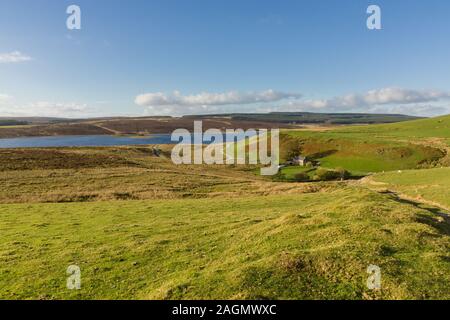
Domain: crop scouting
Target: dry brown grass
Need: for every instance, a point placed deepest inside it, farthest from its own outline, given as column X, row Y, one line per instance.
column 52, row 130
column 124, row 173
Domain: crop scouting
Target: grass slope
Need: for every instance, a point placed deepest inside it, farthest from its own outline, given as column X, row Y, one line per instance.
column 376, row 148
column 438, row 127
column 307, row 246
column 431, row 185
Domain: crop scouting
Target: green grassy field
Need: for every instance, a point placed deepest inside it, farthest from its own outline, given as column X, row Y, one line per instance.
column 309, row 246
column 290, row 172
column 377, row 148
column 431, row 185
column 423, row 128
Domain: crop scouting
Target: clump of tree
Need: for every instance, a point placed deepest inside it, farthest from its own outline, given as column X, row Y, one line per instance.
column 302, row 177
column 323, row 174
column 343, row 174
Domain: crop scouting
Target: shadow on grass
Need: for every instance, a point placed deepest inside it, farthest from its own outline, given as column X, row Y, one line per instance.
column 442, row 226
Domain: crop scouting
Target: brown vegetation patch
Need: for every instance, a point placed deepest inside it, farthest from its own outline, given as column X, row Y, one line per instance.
column 31, row 159
column 65, row 129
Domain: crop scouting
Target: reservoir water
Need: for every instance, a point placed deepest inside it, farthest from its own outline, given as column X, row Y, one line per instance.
column 87, row 141
column 84, row 141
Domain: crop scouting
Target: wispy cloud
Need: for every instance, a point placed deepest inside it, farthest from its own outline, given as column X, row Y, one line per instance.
column 377, row 97
column 48, row 109
column 176, row 103
column 14, row 57
column 389, row 100
column 384, row 100
column 414, row 110
column 4, row 97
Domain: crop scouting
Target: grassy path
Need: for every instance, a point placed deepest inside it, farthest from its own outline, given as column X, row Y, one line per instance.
column 114, row 132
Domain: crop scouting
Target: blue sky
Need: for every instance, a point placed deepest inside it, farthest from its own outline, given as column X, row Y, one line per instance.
column 177, row 57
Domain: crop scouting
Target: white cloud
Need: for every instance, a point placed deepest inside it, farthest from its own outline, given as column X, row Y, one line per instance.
column 385, row 100
column 4, row 98
column 403, row 96
column 389, row 100
column 377, row 97
column 414, row 110
column 48, row 109
column 14, row 57
column 176, row 103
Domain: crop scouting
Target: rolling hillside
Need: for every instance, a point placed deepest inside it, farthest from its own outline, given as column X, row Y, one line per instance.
column 140, row 227
column 438, row 127
column 312, row 118
column 376, row 148
column 146, row 125
column 311, row 246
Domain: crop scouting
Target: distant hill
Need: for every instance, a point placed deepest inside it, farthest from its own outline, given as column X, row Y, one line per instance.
column 313, row 118
column 279, row 117
column 40, row 126
column 6, row 123
column 31, row 120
